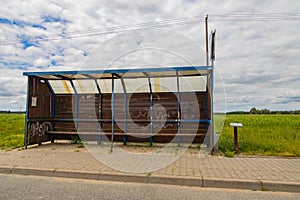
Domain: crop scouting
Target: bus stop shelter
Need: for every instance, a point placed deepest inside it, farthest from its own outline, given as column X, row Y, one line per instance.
column 170, row 104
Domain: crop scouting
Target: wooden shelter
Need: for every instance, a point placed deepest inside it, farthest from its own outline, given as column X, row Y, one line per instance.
column 171, row 104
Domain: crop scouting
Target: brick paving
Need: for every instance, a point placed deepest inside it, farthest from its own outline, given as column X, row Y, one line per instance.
column 65, row 156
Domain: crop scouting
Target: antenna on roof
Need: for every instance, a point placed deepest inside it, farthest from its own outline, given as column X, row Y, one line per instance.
column 206, row 37
column 213, row 35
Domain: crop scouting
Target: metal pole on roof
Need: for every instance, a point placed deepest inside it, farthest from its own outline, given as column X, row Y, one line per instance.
column 112, row 112
column 206, row 39
column 27, row 112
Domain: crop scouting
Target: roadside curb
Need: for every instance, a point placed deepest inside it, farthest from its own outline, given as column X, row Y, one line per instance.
column 232, row 183
column 259, row 185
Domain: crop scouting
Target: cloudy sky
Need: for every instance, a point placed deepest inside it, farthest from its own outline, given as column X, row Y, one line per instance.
column 257, row 44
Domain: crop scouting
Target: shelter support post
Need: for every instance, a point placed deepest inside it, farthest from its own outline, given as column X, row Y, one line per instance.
column 125, row 112
column 178, row 110
column 101, row 113
column 112, row 111
column 76, row 110
column 52, row 106
column 212, row 90
column 27, row 112
column 125, row 119
column 98, row 139
column 151, row 111
column 212, row 133
column 76, row 105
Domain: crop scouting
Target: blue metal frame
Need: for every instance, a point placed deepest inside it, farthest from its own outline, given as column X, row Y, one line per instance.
column 26, row 117
column 76, row 105
column 212, row 106
column 208, row 121
column 125, row 112
column 53, row 101
column 150, row 107
column 112, row 112
column 151, row 111
column 100, row 98
column 178, row 111
column 98, row 138
column 115, row 71
column 53, row 96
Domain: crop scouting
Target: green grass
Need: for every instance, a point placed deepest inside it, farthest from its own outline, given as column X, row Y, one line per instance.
column 276, row 135
column 11, row 130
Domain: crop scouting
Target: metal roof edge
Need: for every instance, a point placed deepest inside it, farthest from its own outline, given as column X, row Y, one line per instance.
column 111, row 71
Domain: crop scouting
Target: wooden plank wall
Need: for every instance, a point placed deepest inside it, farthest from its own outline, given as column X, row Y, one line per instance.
column 94, row 114
column 41, row 91
column 42, row 111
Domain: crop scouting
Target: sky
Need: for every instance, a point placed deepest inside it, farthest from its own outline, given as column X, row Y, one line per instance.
column 257, row 44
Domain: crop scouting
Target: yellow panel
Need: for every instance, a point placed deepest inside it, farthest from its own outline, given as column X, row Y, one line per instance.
column 61, row 86
column 80, row 86
column 66, row 87
column 156, row 85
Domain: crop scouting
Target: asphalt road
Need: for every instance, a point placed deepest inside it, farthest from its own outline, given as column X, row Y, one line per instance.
column 35, row 187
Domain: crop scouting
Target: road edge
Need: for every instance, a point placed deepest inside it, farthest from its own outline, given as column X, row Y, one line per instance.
column 257, row 185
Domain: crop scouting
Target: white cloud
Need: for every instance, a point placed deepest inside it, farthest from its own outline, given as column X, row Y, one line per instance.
column 12, row 89
column 259, row 60
column 41, row 62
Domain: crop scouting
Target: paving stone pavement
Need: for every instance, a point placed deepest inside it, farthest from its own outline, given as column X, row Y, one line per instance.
column 69, row 157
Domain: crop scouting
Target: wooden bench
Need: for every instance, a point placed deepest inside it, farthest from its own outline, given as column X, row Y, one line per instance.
column 122, row 134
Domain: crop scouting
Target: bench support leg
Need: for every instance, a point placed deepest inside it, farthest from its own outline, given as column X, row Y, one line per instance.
column 124, row 140
column 98, row 139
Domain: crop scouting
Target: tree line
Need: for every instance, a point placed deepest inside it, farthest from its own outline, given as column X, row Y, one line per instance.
column 265, row 111
column 11, row 112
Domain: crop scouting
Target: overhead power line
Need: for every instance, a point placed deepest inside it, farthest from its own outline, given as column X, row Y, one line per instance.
column 256, row 17
column 110, row 30
column 160, row 24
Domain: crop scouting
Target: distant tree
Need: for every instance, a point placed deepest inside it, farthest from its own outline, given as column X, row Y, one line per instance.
column 253, row 110
column 265, row 111
column 297, row 111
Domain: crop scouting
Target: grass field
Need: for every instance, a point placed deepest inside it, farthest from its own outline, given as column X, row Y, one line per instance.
column 277, row 135
column 11, row 130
